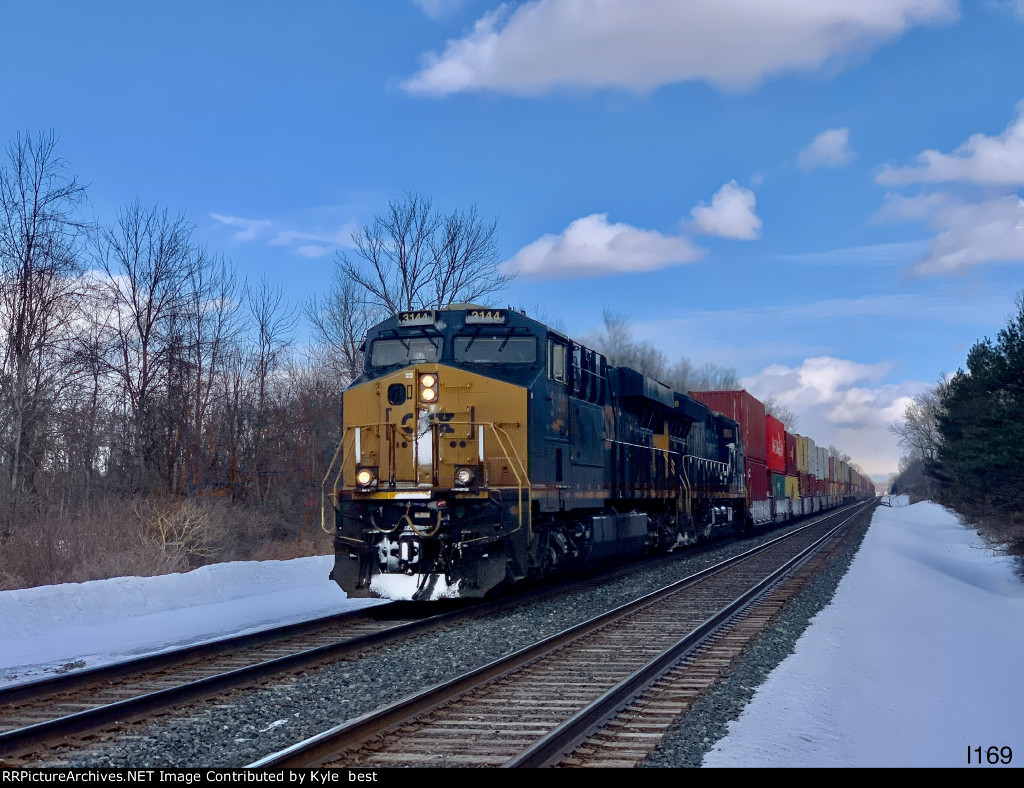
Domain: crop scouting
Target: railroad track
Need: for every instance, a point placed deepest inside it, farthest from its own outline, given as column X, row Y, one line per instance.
column 36, row 714
column 542, row 704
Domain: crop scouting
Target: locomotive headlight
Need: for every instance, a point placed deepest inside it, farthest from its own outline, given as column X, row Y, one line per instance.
column 465, row 476
column 428, row 387
column 366, row 477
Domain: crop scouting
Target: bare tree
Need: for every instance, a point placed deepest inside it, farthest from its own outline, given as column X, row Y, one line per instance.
column 273, row 324
column 413, row 257
column 712, row 377
column 918, row 432
column 212, row 312
column 149, row 261
column 39, row 263
column 774, row 407
column 339, row 320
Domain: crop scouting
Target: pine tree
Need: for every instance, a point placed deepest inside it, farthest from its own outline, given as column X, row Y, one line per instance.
column 981, row 456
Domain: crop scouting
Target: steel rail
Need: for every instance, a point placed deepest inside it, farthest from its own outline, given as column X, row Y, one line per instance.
column 353, row 732
column 18, row 739
column 562, row 740
column 115, row 670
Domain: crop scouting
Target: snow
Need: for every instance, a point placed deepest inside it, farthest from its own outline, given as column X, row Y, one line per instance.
column 916, row 659
column 47, row 629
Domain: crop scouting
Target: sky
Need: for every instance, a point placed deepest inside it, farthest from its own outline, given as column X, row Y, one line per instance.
column 916, row 658
column 823, row 195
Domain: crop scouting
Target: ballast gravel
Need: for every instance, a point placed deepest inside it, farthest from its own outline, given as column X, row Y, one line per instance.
column 695, row 734
column 240, row 728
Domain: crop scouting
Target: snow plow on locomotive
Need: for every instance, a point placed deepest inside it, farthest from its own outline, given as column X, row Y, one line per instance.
column 481, row 448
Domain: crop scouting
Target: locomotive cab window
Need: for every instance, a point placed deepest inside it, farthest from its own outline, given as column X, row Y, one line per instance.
column 502, row 349
column 556, row 361
column 405, row 350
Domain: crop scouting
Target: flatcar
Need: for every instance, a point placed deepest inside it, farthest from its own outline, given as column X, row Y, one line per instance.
column 481, row 447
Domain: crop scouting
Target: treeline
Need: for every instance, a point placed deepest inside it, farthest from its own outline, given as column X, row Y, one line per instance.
column 965, row 437
column 153, row 412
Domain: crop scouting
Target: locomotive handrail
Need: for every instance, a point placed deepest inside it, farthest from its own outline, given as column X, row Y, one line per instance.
column 519, row 481
column 509, row 451
column 327, row 475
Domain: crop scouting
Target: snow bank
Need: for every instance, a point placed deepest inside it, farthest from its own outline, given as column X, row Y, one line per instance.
column 916, row 659
column 103, row 621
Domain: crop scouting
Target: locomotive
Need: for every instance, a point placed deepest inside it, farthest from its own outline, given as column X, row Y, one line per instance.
column 481, row 447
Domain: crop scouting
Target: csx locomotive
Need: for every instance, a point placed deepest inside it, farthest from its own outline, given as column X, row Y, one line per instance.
column 481, row 447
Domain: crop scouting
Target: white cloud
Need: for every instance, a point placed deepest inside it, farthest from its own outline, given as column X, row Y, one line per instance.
column 969, row 233
column 828, row 149
column 436, row 9
column 730, row 215
column 324, row 241
column 591, row 246
column 876, row 254
column 248, row 229
column 642, row 44
column 981, row 159
column 842, row 403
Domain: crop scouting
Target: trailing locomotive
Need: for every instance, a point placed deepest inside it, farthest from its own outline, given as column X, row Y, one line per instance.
column 480, row 448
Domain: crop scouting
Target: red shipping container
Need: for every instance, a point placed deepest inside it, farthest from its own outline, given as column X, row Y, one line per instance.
column 757, row 480
column 791, row 469
column 745, row 408
column 805, row 486
column 775, row 436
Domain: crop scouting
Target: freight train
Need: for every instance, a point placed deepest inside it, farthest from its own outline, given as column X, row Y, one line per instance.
column 481, row 447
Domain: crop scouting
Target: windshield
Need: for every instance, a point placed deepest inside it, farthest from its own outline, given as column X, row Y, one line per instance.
column 496, row 350
column 406, row 350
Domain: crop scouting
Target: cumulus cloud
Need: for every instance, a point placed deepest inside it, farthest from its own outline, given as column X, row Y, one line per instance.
column 248, row 229
column 733, row 44
column 828, row 149
column 730, row 215
column 981, row 159
column 592, row 246
column 842, row 403
column 969, row 233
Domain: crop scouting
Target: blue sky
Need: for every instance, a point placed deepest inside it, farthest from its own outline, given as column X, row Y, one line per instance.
column 824, row 195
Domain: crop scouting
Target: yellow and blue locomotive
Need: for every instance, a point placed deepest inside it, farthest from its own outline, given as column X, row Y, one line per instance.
column 481, row 447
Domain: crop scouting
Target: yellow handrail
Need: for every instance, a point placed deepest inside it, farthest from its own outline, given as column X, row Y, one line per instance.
column 522, row 480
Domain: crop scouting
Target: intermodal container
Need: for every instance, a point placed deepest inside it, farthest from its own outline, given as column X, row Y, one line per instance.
column 791, row 469
column 792, row 487
column 805, row 486
column 757, row 480
column 778, row 486
column 775, row 434
column 801, row 454
column 745, row 408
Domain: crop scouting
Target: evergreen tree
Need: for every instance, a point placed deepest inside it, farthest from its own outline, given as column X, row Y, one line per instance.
column 980, row 459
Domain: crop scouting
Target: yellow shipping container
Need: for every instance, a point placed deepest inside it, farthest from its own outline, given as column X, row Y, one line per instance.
column 801, row 454
column 792, row 487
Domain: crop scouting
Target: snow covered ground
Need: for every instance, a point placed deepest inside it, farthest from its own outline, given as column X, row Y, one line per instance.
column 917, row 660
column 52, row 628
